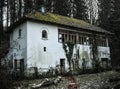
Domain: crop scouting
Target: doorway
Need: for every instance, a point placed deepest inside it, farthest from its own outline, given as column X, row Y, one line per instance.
column 62, row 65
column 19, row 67
column 104, row 62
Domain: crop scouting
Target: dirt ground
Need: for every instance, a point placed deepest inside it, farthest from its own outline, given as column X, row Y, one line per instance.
column 103, row 80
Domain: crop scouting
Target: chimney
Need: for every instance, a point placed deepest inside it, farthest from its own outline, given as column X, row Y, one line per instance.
column 43, row 9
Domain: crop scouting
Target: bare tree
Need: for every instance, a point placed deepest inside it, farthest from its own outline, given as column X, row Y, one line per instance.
column 92, row 10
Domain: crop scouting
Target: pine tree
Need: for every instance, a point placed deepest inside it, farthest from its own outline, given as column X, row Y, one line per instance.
column 105, row 12
column 116, row 9
column 61, row 7
column 92, row 10
column 28, row 6
column 115, row 27
column 49, row 4
column 1, row 19
column 108, row 12
column 81, row 10
column 39, row 3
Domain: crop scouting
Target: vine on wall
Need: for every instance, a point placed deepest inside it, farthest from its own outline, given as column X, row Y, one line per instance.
column 68, row 48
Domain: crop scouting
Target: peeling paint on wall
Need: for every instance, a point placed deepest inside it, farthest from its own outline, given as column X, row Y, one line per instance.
column 44, row 54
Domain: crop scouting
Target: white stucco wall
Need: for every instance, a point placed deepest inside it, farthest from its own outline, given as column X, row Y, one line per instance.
column 85, row 52
column 36, row 57
column 18, row 45
column 104, row 52
column 32, row 47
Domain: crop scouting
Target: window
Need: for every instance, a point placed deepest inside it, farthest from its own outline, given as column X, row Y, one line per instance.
column 44, row 34
column 102, row 42
column 44, row 49
column 20, row 33
column 73, row 37
column 60, row 37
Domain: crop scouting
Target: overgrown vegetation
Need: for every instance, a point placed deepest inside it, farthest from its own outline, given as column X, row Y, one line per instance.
column 6, row 81
column 107, row 12
column 68, row 48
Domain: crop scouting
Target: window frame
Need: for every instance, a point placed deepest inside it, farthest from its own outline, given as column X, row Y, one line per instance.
column 44, row 35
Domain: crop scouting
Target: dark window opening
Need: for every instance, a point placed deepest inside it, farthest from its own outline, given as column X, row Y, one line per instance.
column 62, row 65
column 44, row 34
column 20, row 33
column 63, row 39
column 15, row 65
column 74, row 37
column 44, row 49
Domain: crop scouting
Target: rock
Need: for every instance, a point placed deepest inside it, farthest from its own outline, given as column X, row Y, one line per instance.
column 57, row 80
column 39, row 85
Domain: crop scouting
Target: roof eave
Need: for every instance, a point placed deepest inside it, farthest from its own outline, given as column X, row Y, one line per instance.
column 87, row 29
column 25, row 18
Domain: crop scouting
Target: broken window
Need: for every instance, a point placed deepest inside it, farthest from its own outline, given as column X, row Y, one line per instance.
column 102, row 41
column 90, row 40
column 72, row 37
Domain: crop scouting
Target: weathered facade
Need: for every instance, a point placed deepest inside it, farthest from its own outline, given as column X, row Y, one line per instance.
column 44, row 41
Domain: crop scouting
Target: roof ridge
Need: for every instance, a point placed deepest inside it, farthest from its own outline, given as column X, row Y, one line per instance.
column 57, row 19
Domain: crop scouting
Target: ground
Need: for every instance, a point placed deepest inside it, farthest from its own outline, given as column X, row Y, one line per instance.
column 103, row 80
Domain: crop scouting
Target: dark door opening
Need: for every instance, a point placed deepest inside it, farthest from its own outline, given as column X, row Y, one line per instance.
column 62, row 65
column 22, row 67
column 104, row 62
column 19, row 67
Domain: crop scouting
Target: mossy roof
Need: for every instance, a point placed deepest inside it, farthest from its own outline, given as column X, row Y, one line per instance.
column 66, row 21
column 63, row 21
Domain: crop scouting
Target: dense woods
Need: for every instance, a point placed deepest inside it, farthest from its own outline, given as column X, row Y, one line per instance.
column 103, row 13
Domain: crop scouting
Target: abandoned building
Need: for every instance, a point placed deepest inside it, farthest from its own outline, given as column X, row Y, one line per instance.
column 46, row 40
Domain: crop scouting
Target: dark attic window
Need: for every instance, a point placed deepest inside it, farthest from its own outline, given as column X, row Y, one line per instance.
column 44, row 34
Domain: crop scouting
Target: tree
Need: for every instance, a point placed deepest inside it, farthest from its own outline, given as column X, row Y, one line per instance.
column 92, row 10
column 105, row 12
column 28, row 6
column 81, row 10
column 69, row 52
column 61, row 7
column 72, row 8
column 1, row 19
column 39, row 3
column 116, row 9
column 49, row 4
column 108, row 13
